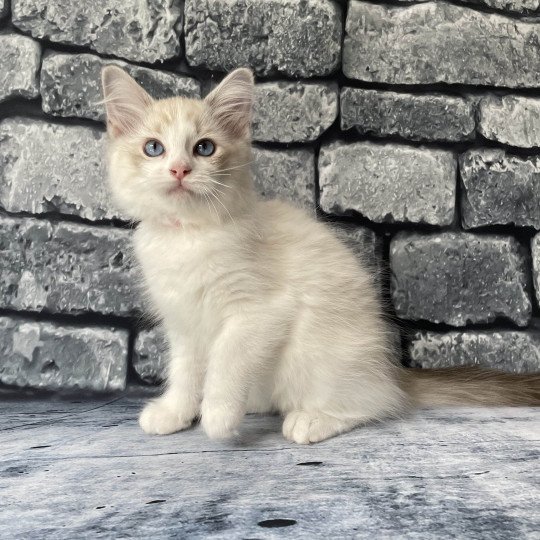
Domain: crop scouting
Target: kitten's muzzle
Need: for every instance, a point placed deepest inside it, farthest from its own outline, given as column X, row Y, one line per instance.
column 180, row 171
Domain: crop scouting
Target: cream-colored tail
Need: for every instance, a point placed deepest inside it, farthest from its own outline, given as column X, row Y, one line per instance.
column 470, row 386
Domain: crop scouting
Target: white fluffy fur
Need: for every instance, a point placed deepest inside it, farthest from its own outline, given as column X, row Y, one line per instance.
column 265, row 309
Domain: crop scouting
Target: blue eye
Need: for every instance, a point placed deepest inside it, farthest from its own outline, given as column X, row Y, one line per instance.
column 205, row 148
column 153, row 148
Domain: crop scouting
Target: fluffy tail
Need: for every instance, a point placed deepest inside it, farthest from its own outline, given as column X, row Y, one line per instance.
column 470, row 386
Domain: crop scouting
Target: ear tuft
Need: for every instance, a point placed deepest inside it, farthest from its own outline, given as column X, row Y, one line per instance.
column 125, row 101
column 231, row 102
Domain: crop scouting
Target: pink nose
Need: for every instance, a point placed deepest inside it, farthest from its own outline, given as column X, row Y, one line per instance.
column 179, row 171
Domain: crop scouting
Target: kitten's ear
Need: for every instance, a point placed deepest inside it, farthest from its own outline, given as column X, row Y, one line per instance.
column 125, row 101
column 231, row 102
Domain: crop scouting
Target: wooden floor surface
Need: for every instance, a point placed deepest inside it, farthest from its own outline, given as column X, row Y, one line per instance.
column 83, row 469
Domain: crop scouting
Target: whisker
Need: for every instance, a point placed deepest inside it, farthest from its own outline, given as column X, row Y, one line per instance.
column 153, row 183
column 226, row 209
column 220, row 183
column 215, row 209
column 216, row 190
column 237, row 166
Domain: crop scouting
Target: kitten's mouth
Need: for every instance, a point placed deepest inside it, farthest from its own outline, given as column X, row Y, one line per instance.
column 178, row 189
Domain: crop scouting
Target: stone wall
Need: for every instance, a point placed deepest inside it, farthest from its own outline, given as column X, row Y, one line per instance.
column 413, row 126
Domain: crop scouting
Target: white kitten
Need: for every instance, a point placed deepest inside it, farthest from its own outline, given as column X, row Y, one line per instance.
column 265, row 308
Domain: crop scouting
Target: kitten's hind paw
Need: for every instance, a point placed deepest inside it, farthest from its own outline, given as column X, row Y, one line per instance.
column 304, row 428
column 157, row 418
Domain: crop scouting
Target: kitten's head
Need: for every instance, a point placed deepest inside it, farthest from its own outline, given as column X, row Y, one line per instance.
column 178, row 159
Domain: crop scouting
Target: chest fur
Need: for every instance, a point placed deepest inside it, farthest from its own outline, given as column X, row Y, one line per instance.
column 192, row 278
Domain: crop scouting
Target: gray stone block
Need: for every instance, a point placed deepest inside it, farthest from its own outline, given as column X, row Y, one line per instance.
column 285, row 174
column 505, row 350
column 150, row 356
column 439, row 42
column 459, row 278
column 431, row 117
column 60, row 357
column 71, row 84
column 53, row 168
column 285, row 36
column 511, row 6
column 499, row 189
column 142, row 31
column 511, row 120
column 388, row 183
column 535, row 248
column 293, row 112
column 4, row 8
column 19, row 69
column 66, row 267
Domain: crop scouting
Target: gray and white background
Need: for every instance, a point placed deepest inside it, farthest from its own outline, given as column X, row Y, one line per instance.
column 413, row 126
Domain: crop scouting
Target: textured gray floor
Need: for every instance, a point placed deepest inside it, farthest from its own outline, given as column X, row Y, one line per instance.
column 83, row 469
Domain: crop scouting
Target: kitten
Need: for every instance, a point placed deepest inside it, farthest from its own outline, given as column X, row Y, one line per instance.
column 265, row 308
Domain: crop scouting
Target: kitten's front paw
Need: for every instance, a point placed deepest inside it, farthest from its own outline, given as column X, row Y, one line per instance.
column 220, row 421
column 157, row 418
